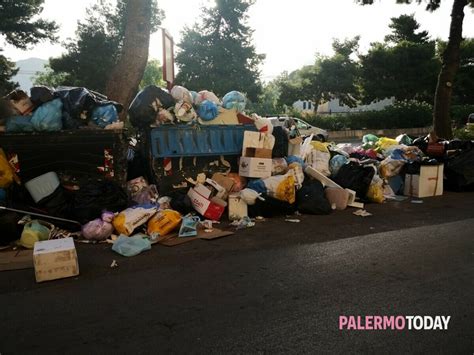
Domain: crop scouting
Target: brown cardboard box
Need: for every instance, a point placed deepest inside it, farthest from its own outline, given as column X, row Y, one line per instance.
column 258, row 153
column 16, row 260
column 55, row 259
column 224, row 181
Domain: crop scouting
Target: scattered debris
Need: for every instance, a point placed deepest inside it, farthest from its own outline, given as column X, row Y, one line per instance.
column 362, row 213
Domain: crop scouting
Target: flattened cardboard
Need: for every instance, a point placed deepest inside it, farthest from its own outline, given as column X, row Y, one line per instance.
column 16, row 260
column 224, row 181
column 173, row 239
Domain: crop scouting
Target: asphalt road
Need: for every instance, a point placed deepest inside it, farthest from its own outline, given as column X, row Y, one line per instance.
column 278, row 287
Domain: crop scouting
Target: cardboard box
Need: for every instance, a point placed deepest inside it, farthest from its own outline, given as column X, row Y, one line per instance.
column 252, row 140
column 263, row 153
column 226, row 182
column 209, row 208
column 255, row 167
column 428, row 183
column 55, row 259
column 237, row 207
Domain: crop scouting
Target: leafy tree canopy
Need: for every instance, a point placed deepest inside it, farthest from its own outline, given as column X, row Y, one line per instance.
column 18, row 26
column 404, row 28
column 217, row 54
column 90, row 57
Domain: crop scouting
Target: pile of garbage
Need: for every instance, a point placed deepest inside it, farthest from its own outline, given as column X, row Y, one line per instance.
column 278, row 173
column 154, row 106
column 49, row 110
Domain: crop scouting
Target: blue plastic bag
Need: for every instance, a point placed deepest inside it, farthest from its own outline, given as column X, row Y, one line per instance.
column 234, row 99
column 104, row 115
column 48, row 117
column 336, row 162
column 131, row 246
column 19, row 124
column 208, row 110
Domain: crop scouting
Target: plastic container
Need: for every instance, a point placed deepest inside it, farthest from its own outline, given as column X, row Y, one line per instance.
column 42, row 186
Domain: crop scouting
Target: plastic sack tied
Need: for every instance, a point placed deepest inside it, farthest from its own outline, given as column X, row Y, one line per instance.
column 281, row 187
column 7, row 175
column 207, row 110
column 234, row 99
column 164, row 222
column 131, row 246
column 100, row 228
column 48, row 117
column 102, row 116
column 126, row 221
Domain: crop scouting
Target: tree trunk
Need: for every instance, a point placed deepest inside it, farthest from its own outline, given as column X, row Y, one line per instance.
column 450, row 65
column 128, row 72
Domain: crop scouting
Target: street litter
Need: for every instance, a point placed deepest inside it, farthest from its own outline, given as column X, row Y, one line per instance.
column 195, row 160
column 362, row 213
column 114, row 264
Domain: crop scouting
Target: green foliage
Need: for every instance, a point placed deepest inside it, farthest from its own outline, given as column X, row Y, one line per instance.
column 153, row 74
column 90, row 57
column 330, row 77
column 7, row 70
column 459, row 113
column 403, row 30
column 50, row 78
column 217, row 54
column 406, row 71
column 267, row 104
column 464, row 133
column 404, row 114
column 19, row 25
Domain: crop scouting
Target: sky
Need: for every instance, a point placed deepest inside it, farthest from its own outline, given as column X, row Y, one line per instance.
column 289, row 33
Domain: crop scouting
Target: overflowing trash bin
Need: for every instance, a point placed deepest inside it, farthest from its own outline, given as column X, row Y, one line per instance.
column 194, row 157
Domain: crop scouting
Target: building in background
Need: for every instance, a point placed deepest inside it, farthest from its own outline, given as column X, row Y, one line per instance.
column 334, row 106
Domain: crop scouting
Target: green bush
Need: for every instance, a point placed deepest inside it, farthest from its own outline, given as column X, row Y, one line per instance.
column 403, row 114
column 459, row 113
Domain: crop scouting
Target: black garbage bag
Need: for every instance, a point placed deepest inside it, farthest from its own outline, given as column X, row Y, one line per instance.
column 9, row 226
column 97, row 196
column 57, row 204
column 181, row 202
column 355, row 177
column 457, row 144
column 145, row 105
column 310, row 198
column 41, row 94
column 280, row 149
column 459, row 171
column 78, row 104
column 271, row 207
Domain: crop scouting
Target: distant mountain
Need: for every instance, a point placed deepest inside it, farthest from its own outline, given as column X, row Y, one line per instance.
column 28, row 70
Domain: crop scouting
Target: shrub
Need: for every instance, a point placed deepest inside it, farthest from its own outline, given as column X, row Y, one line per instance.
column 403, row 114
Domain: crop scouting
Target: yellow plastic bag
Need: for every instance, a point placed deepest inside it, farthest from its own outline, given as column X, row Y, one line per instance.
column 375, row 193
column 322, row 147
column 286, row 190
column 384, row 143
column 164, row 222
column 7, row 175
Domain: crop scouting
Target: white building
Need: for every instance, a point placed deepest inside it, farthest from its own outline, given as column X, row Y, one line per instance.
column 334, row 106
